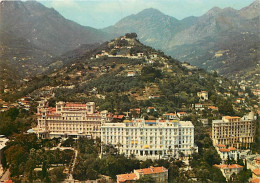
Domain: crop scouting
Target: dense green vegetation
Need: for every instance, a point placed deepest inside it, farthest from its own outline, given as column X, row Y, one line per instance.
column 27, row 155
column 15, row 121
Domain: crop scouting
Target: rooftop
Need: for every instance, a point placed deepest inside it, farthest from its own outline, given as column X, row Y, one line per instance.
column 224, row 150
column 151, row 170
column 256, row 171
column 221, row 145
column 232, row 148
column 125, row 177
column 255, row 180
column 75, row 105
column 231, row 117
column 224, row 166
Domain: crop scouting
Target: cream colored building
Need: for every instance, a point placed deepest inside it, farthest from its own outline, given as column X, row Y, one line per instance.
column 233, row 131
column 151, row 139
column 226, row 153
column 69, row 120
column 228, row 170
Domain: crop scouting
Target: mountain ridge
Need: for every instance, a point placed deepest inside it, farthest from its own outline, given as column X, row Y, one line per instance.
column 207, row 31
column 45, row 27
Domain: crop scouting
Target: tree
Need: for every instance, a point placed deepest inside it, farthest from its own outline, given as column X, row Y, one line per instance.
column 131, row 35
column 245, row 167
column 211, row 156
column 146, row 163
column 109, row 149
column 242, row 177
column 149, row 73
column 44, row 173
column 57, row 175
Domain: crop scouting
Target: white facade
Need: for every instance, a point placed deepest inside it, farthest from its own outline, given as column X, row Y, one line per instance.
column 69, row 119
column 152, row 139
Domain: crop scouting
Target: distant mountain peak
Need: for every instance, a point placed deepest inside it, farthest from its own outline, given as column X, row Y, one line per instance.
column 213, row 11
column 150, row 11
column 229, row 9
column 251, row 11
column 255, row 4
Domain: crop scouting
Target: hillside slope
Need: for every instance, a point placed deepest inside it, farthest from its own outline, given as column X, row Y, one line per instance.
column 124, row 74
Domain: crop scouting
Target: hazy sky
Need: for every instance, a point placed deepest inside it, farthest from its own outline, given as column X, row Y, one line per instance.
column 103, row 13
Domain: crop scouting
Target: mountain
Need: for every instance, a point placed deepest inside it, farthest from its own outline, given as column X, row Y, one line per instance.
column 124, row 74
column 45, row 27
column 152, row 26
column 198, row 40
column 33, row 36
column 251, row 11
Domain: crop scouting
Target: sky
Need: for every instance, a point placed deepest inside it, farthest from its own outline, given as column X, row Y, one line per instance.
column 103, row 13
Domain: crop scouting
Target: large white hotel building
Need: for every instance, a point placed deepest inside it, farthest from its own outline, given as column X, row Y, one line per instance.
column 151, row 139
column 69, row 120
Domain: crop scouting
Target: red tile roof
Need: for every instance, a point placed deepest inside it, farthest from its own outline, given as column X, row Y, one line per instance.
column 256, row 171
column 126, row 177
column 221, row 145
column 231, row 117
column 224, row 166
column 151, row 170
column 232, row 148
column 51, row 109
column 118, row 116
column 151, row 121
column 224, row 150
column 181, row 112
column 75, row 105
column 137, row 110
column 151, row 108
column 169, row 114
column 8, row 181
column 213, row 107
column 255, row 180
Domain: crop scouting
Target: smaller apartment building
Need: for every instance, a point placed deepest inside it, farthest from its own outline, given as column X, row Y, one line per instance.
column 228, row 170
column 233, row 131
column 226, row 153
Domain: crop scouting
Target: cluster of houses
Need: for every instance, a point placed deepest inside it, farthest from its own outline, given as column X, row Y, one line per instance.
column 116, row 52
column 23, row 103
